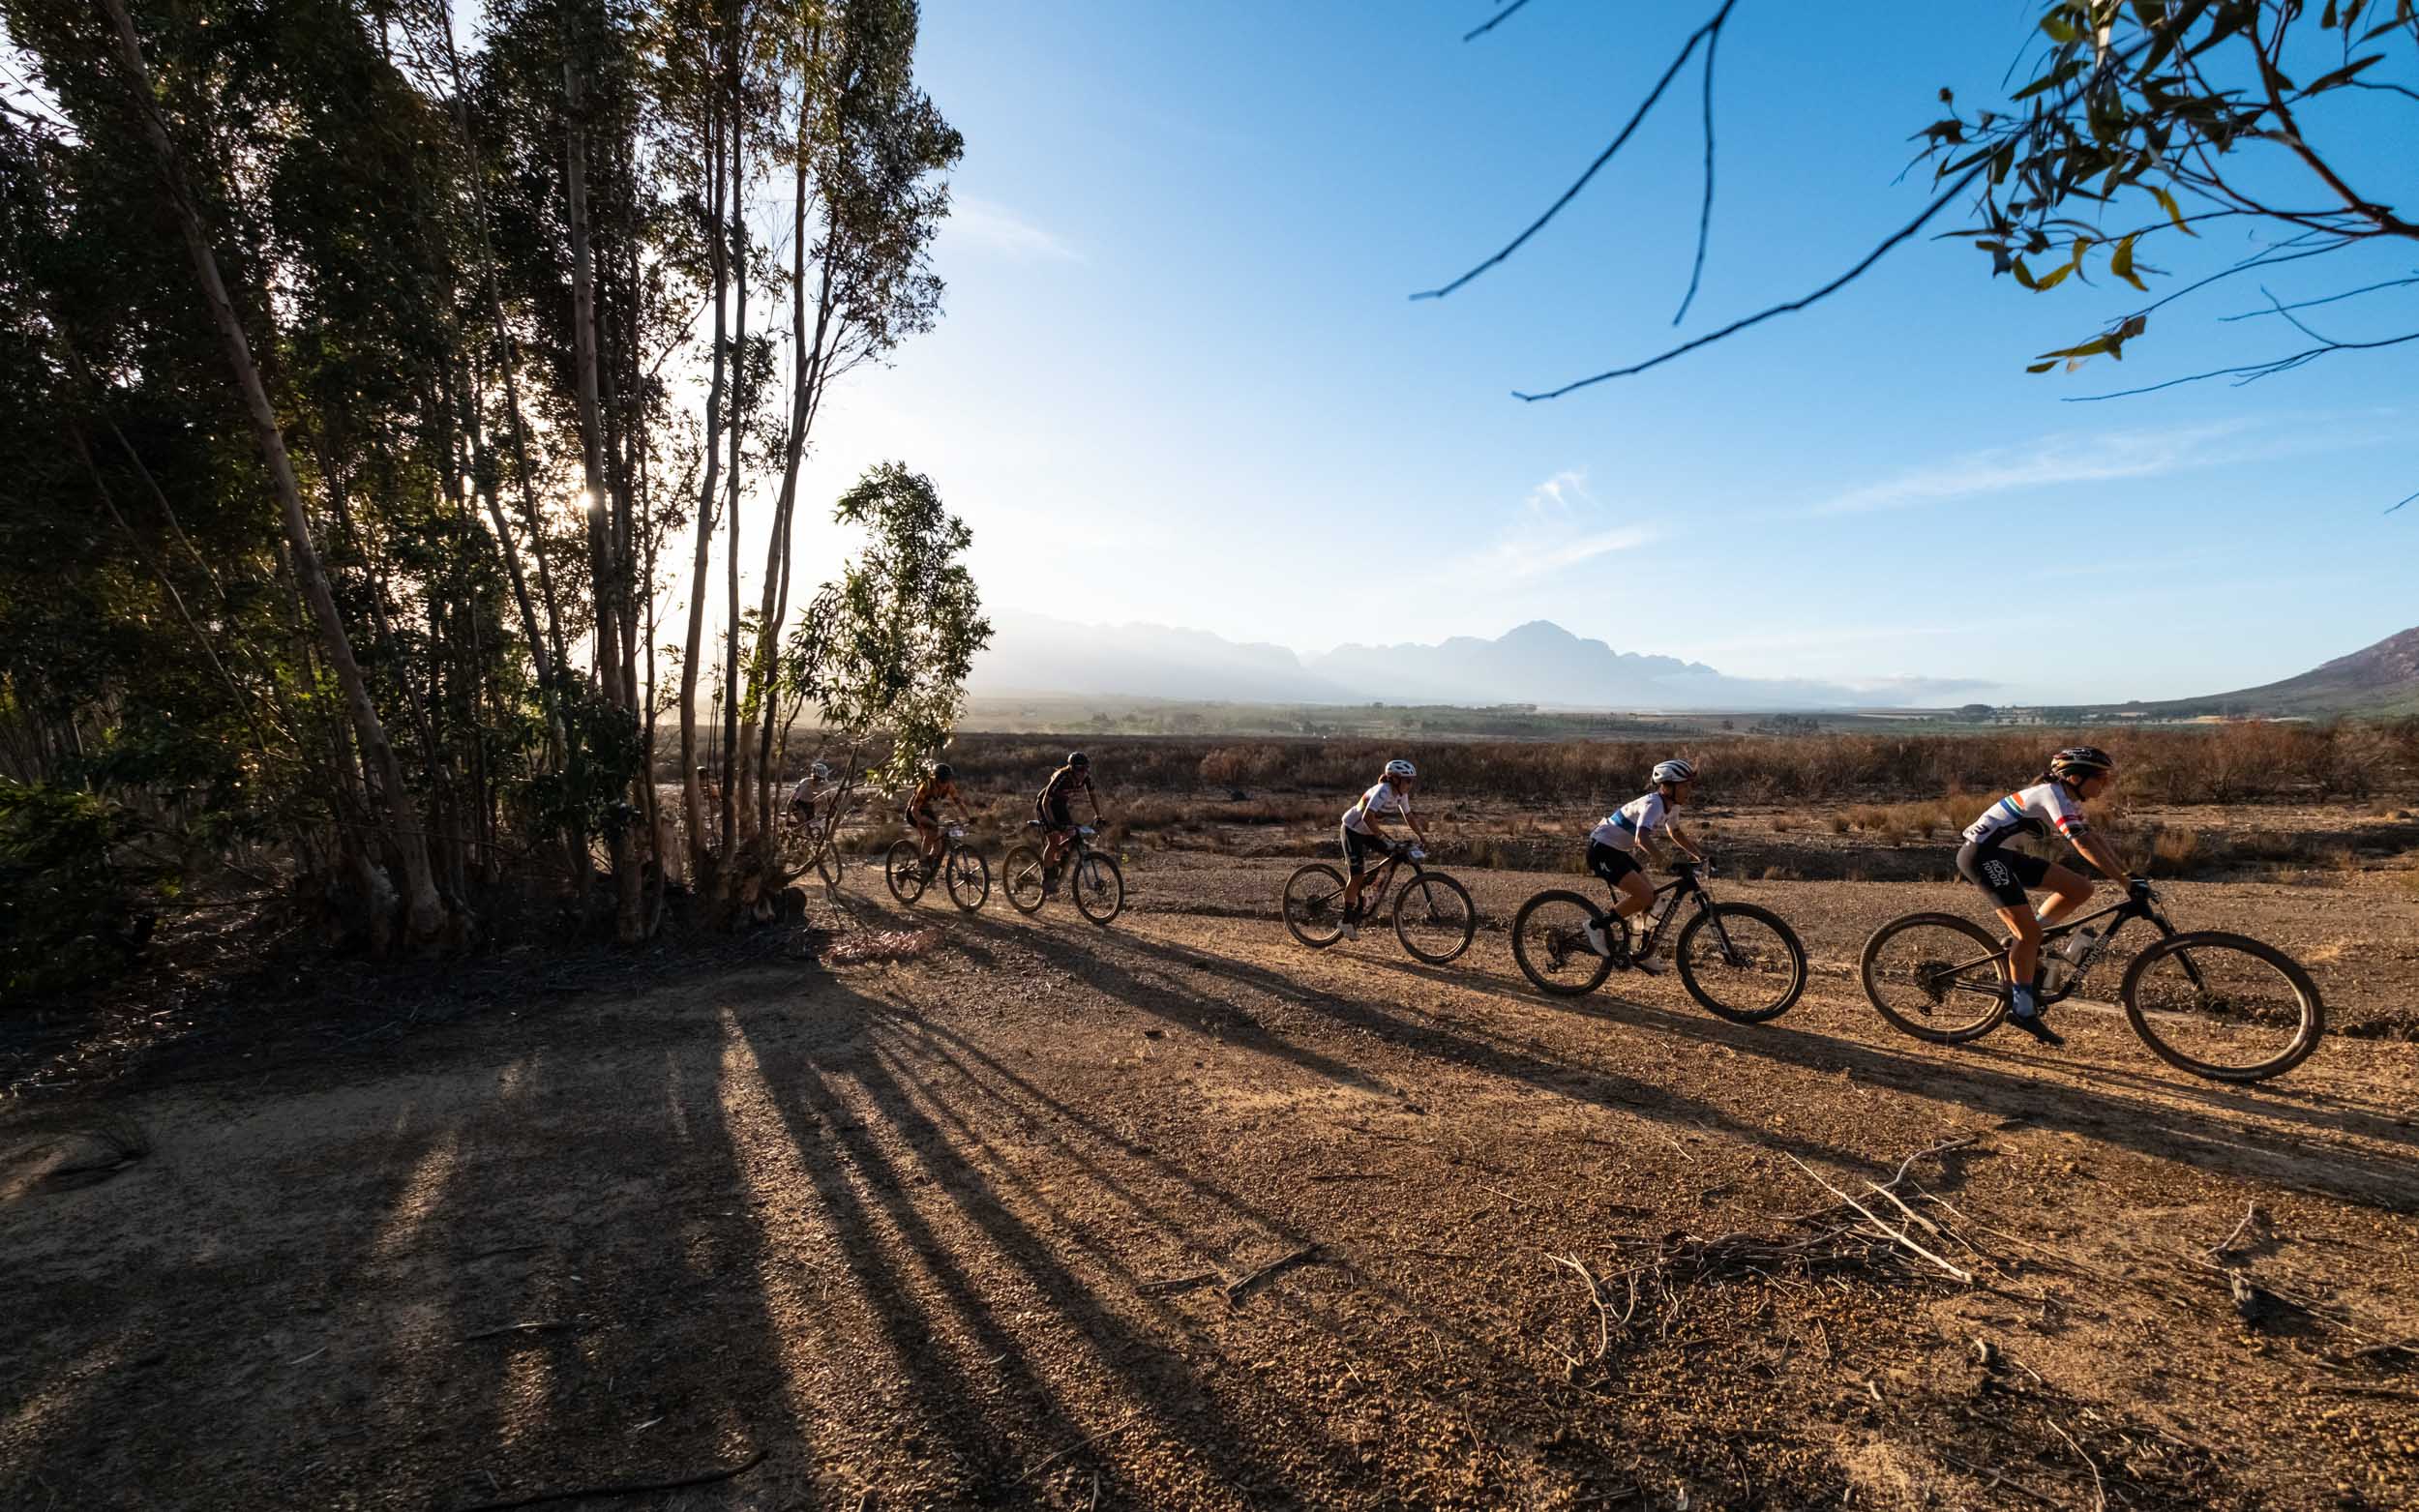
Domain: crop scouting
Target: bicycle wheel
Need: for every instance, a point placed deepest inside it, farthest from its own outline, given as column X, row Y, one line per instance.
column 2223, row 1006
column 1100, row 887
column 1022, row 875
column 1551, row 942
column 1749, row 969
column 1314, row 906
column 1936, row 976
column 904, row 868
column 827, row 864
column 1434, row 918
column 969, row 878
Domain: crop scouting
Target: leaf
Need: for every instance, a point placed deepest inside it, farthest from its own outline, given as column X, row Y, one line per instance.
column 2121, row 264
column 2166, row 203
column 2054, row 279
column 2024, row 276
column 2091, row 348
column 2051, row 79
column 2326, row 18
column 2058, row 29
column 2327, row 81
column 2040, row 366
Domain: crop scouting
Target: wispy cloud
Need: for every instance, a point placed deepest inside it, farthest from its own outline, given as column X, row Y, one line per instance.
column 1003, row 230
column 2053, row 460
column 1560, row 525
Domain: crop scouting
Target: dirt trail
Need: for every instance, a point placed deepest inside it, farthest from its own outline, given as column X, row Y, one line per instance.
column 965, row 1231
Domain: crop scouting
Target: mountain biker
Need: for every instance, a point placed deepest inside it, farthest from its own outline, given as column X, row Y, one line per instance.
column 2054, row 801
column 802, row 797
column 940, row 781
column 1612, row 847
column 1364, row 831
column 1053, row 806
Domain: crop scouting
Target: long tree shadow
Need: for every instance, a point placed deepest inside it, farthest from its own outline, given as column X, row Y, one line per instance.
column 1166, row 995
column 2146, row 1124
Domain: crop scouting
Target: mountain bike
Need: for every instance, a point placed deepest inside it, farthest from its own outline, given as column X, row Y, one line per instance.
column 801, row 833
column 1433, row 915
column 1739, row 961
column 1098, row 886
column 2218, row 1005
column 962, row 867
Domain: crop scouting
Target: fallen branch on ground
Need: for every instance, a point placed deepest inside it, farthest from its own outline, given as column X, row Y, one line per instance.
column 1237, row 1290
column 882, row 945
column 1131, row 1418
column 621, row 1488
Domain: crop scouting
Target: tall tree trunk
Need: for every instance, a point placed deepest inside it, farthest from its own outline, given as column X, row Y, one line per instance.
column 425, row 909
column 733, row 764
column 692, row 796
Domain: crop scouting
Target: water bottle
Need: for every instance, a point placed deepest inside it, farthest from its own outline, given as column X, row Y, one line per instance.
column 2078, row 945
column 2053, row 971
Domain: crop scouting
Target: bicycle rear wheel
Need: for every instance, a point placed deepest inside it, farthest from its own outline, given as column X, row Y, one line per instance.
column 1550, row 942
column 904, row 868
column 1741, row 962
column 2223, row 1006
column 1936, row 976
column 969, row 878
column 1022, row 875
column 1100, row 887
column 1314, row 906
column 1434, row 918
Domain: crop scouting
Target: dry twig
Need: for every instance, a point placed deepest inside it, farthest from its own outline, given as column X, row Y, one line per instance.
column 1238, row 1290
column 620, row 1488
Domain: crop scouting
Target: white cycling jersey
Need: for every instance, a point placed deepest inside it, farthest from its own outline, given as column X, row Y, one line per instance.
column 2035, row 810
column 1639, row 817
column 1384, row 800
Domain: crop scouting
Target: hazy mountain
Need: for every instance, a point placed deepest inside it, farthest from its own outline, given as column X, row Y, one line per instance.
column 1034, row 653
column 2378, row 679
column 1537, row 662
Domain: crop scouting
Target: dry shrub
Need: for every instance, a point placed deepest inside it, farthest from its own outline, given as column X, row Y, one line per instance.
column 2173, row 848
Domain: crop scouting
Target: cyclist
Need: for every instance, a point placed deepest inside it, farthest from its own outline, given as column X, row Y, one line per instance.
column 1613, row 845
column 922, row 810
column 802, row 797
column 1053, row 806
column 1364, row 831
column 2054, row 801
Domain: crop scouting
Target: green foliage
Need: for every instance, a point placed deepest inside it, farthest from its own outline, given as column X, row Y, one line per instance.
column 884, row 651
column 73, row 917
column 2161, row 101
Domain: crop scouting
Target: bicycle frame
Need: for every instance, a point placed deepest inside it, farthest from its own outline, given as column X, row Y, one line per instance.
column 2123, row 913
column 1373, row 890
column 1666, row 904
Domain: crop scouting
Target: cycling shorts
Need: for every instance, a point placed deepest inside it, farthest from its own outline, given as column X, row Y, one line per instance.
column 2001, row 872
column 1359, row 849
column 923, row 819
column 1610, row 863
column 1053, row 812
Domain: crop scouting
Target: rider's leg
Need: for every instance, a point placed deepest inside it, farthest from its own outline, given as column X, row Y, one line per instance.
column 1637, row 895
column 2069, row 890
column 2024, row 956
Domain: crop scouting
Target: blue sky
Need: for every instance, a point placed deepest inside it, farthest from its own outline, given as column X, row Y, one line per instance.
column 1178, row 379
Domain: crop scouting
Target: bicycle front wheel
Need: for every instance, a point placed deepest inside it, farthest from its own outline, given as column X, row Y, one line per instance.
column 969, row 878
column 1022, row 875
column 2223, row 1006
column 1100, row 887
column 1936, row 976
column 1551, row 942
column 1434, row 918
column 904, row 868
column 1741, row 962
column 1314, row 906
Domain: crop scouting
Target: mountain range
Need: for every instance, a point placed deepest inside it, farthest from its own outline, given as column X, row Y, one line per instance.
column 1537, row 662
column 2377, row 679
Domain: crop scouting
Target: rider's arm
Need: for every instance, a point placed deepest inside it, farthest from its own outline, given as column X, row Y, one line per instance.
column 2100, row 854
column 1094, row 793
column 1681, row 844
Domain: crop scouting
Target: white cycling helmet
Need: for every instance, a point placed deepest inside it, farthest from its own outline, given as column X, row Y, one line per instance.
column 1401, row 768
column 1674, row 771
column 821, row 771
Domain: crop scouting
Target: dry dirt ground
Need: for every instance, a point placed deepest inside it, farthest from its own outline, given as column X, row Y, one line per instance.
column 994, row 1226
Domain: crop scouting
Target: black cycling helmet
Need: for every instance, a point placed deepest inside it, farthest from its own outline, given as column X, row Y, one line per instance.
column 2081, row 761
column 942, row 772
column 1078, row 758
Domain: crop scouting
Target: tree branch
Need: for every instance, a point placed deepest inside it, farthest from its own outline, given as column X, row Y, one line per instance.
column 1500, row 17
column 2251, row 373
column 2381, row 216
column 1904, row 233
column 1705, row 212
column 1606, row 156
